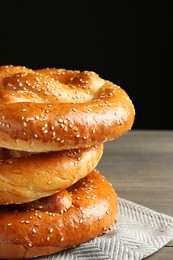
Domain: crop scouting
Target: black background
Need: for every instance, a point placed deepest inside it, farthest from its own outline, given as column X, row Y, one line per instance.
column 127, row 42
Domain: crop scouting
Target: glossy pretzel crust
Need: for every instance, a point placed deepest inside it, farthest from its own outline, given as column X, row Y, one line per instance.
column 85, row 210
column 34, row 176
column 58, row 109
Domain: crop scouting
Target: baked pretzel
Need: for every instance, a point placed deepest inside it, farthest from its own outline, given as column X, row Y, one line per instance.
column 57, row 109
column 85, row 210
column 34, row 176
column 53, row 123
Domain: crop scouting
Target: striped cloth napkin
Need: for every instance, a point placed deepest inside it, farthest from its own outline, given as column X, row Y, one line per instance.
column 139, row 233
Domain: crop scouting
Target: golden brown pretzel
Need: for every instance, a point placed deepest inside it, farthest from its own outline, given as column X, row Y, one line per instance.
column 58, row 109
column 30, row 231
column 34, row 176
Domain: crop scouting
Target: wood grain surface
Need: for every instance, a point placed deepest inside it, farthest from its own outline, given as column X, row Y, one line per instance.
column 139, row 164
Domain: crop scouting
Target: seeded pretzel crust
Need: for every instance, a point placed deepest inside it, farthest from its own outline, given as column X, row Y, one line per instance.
column 58, row 109
column 34, row 176
column 53, row 123
column 87, row 209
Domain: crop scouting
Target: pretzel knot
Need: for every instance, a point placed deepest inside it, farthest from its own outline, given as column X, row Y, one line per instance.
column 53, row 123
column 57, row 109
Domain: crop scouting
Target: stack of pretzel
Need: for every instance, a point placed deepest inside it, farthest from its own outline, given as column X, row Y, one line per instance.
column 53, row 124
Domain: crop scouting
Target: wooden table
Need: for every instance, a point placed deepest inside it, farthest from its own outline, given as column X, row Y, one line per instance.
column 140, row 166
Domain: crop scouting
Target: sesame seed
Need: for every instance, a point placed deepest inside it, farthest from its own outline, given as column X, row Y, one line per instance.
column 54, row 134
column 34, row 230
column 50, row 230
column 47, row 238
column 30, row 244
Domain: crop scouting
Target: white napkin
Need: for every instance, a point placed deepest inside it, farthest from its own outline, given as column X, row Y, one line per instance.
column 139, row 232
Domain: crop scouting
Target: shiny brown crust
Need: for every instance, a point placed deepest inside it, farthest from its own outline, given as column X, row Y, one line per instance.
column 91, row 210
column 38, row 175
column 58, row 109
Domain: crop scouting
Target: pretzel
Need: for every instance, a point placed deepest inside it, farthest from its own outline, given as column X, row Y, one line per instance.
column 85, row 210
column 57, row 109
column 53, row 124
column 34, row 176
